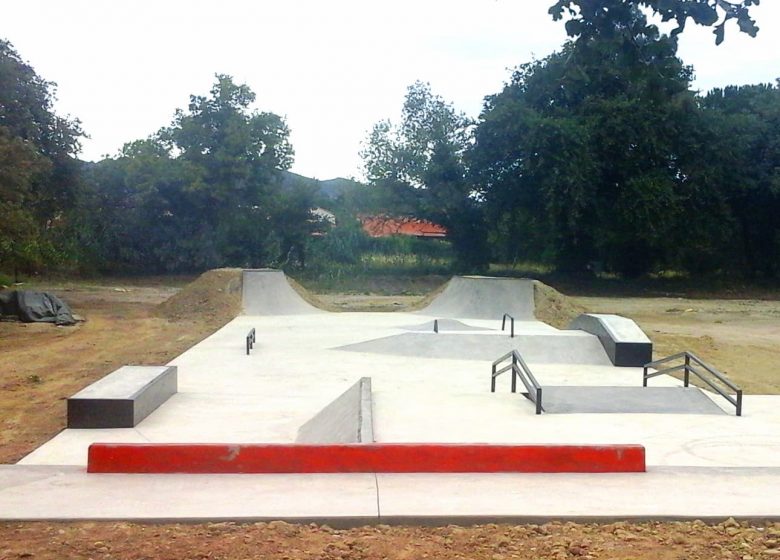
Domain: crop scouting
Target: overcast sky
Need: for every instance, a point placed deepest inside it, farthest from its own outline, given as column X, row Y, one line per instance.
column 331, row 68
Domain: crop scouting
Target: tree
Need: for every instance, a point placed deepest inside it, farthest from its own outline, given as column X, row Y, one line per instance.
column 203, row 192
column 38, row 171
column 421, row 163
column 744, row 125
column 591, row 18
column 590, row 154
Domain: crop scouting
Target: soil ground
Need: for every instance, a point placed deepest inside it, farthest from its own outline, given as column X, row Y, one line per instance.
column 278, row 540
column 41, row 365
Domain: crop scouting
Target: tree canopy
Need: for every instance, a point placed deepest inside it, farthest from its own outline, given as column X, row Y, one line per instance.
column 591, row 18
column 38, row 170
column 420, row 163
column 203, row 192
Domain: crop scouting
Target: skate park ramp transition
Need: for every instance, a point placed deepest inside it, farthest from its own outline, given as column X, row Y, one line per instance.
column 484, row 297
column 267, row 292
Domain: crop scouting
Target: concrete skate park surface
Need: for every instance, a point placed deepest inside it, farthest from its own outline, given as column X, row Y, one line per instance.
column 699, row 463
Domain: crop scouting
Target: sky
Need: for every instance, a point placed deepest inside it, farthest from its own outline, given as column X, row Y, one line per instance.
column 331, row 68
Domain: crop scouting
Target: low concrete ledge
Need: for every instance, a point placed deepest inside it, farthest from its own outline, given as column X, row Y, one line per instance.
column 122, row 398
column 348, row 419
column 625, row 343
column 363, row 458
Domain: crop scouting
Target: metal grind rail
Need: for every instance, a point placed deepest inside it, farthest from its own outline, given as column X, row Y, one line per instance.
column 692, row 364
column 511, row 324
column 519, row 369
column 251, row 338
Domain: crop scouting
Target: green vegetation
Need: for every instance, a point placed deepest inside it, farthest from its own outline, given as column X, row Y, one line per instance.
column 598, row 158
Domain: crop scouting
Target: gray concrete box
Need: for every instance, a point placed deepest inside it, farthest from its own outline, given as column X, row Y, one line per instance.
column 122, row 398
column 624, row 342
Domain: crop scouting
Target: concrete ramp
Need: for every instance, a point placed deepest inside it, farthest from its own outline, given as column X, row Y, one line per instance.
column 267, row 292
column 348, row 419
column 564, row 347
column 627, row 400
column 483, row 297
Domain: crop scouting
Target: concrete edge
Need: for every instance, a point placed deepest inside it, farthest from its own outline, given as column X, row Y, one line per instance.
column 366, row 412
column 182, row 458
column 101, row 412
column 346, row 419
column 621, row 351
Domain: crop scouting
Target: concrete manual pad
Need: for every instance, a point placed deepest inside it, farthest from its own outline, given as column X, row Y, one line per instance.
column 627, row 400
column 123, row 398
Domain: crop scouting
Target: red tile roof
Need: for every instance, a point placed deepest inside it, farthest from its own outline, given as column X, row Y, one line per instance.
column 385, row 226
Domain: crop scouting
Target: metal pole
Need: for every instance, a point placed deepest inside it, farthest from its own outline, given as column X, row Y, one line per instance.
column 644, row 377
column 687, row 371
column 514, row 373
column 436, row 325
column 739, row 402
column 493, row 379
column 512, row 322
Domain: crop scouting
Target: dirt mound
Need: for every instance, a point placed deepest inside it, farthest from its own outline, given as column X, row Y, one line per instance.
column 554, row 308
column 215, row 295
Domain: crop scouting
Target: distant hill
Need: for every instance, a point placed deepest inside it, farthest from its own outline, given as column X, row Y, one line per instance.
column 331, row 189
column 334, row 188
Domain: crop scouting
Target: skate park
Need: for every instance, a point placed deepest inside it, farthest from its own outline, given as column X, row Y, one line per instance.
column 285, row 373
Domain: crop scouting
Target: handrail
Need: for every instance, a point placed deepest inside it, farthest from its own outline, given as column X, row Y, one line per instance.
column 512, row 324
column 689, row 369
column 251, row 338
column 519, row 369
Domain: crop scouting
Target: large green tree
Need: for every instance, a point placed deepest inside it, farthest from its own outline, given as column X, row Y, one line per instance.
column 588, row 156
column 38, row 171
column 592, row 18
column 420, row 162
column 204, row 192
column 744, row 140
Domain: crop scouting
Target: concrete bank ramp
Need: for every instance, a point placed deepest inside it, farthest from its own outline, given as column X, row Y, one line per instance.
column 565, row 347
column 627, row 400
column 484, row 297
column 347, row 419
column 267, row 292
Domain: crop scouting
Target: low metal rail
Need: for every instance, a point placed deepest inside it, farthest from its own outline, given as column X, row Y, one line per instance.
column 251, row 338
column 692, row 364
column 519, row 369
column 511, row 324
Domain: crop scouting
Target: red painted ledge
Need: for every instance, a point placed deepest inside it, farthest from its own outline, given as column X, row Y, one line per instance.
column 356, row 458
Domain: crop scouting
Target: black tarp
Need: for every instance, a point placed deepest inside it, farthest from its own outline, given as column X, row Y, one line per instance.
column 35, row 307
